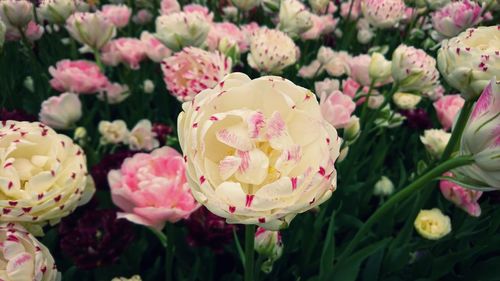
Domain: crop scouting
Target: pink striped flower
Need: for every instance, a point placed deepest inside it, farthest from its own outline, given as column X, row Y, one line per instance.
column 383, row 13
column 455, row 17
column 129, row 51
column 193, row 70
column 80, row 76
column 23, row 256
column 258, row 151
column 481, row 138
column 447, row 108
column 151, row 189
column 465, row 199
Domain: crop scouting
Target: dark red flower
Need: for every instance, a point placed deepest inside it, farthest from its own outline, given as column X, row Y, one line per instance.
column 16, row 115
column 162, row 131
column 109, row 162
column 207, row 229
column 95, row 237
column 417, row 119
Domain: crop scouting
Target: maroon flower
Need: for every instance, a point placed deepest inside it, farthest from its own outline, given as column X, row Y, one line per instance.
column 109, row 162
column 162, row 131
column 95, row 237
column 417, row 118
column 16, row 115
column 207, row 229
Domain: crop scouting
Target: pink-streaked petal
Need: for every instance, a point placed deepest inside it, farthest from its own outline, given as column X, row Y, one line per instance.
column 228, row 166
column 254, row 166
column 20, row 266
column 276, row 133
column 236, row 137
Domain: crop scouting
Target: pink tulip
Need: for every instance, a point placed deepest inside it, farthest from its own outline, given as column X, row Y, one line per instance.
column 203, row 11
column 230, row 32
column 447, row 108
column 321, row 25
column 129, row 51
column 466, row 199
column 358, row 69
column 119, row 15
column 80, row 76
column 154, row 49
column 169, row 6
column 142, row 17
column 337, row 108
column 152, row 189
column 456, row 17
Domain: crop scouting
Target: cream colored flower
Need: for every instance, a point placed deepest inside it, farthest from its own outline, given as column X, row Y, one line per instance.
column 383, row 187
column 23, row 257
column 113, row 132
column 435, row 141
column 294, row 18
column 246, row 5
column 179, row 30
column 432, row 224
column 92, row 29
column 406, row 100
column 379, row 68
column 43, row 175
column 57, row 11
column 271, row 51
column 258, row 151
column 142, row 137
column 469, row 61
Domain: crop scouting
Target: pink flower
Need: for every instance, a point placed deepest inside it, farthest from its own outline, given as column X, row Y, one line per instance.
column 358, row 69
column 193, row 70
column 152, row 189
column 326, row 86
column 321, row 25
column 80, row 76
column 154, row 49
column 354, row 8
column 230, row 32
column 466, row 199
column 114, row 93
column 337, row 108
column 447, row 108
column 350, row 87
column 119, row 15
column 61, row 112
column 203, row 11
column 169, row 6
column 456, row 17
column 383, row 13
column 142, row 17
column 129, row 51
column 32, row 31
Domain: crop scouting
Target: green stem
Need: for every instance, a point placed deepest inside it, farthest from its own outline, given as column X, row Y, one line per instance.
column 406, row 192
column 162, row 237
column 458, row 130
column 98, row 59
column 249, row 252
column 169, row 253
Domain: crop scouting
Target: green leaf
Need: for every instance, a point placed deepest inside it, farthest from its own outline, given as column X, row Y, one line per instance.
column 328, row 253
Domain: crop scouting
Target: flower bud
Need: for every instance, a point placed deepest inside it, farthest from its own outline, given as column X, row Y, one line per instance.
column 447, row 108
column 319, row 6
column 343, row 154
column 80, row 135
column 383, row 13
column 481, row 138
column 352, row 130
column 432, row 224
column 179, row 30
column 294, row 18
column 268, row 244
column 246, row 5
column 148, row 86
column 413, row 69
column 271, row 51
column 16, row 13
column 56, row 11
column 337, row 109
column 383, row 187
column 230, row 49
column 379, row 68
column 406, row 100
column 435, row 141
column 114, row 93
column 92, row 29
column 61, row 112
column 133, row 278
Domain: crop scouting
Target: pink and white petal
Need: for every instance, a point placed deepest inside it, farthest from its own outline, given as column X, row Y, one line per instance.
column 137, row 219
column 288, row 159
column 276, row 132
column 228, row 166
column 235, row 136
column 253, row 168
column 20, row 267
column 275, row 195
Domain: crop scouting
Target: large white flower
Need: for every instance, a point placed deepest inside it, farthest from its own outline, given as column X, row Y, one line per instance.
column 469, row 60
column 258, row 151
column 43, row 175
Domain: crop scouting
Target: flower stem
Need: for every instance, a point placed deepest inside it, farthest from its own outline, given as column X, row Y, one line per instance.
column 98, row 60
column 169, row 253
column 249, row 252
column 458, row 130
column 406, row 192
